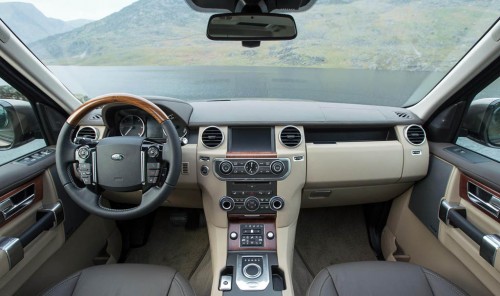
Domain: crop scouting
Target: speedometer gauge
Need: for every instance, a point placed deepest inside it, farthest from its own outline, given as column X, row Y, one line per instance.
column 132, row 125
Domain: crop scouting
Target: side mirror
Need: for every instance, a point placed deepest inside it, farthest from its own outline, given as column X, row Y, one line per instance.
column 16, row 123
column 251, row 27
column 482, row 122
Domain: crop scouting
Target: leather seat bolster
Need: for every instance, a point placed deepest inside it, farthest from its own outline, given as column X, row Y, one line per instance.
column 123, row 280
column 380, row 278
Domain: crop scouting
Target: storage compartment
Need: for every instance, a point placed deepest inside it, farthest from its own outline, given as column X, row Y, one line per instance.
column 353, row 164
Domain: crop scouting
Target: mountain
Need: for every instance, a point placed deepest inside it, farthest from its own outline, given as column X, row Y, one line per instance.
column 354, row 34
column 30, row 24
column 143, row 27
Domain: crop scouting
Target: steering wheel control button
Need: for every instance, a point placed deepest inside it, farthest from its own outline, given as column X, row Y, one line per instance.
column 251, row 167
column 153, row 172
column 226, row 167
column 233, row 235
column 226, row 203
column 252, row 271
column 277, row 167
column 153, row 152
column 252, row 204
column 85, row 170
column 270, row 235
column 84, row 152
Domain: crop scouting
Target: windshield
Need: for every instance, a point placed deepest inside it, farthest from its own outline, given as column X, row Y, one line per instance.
column 390, row 52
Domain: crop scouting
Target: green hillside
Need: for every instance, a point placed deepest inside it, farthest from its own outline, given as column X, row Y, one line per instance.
column 364, row 34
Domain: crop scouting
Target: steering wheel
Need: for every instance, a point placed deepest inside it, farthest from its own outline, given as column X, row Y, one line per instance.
column 120, row 164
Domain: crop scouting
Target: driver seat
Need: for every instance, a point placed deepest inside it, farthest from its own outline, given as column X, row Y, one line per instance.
column 123, row 280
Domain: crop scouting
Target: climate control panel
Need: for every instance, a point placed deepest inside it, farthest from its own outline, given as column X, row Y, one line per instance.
column 251, row 198
column 245, row 169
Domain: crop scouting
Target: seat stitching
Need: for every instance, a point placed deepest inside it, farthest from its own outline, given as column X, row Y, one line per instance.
column 331, row 277
column 180, row 286
column 170, row 286
column 427, row 280
column 455, row 289
column 61, row 283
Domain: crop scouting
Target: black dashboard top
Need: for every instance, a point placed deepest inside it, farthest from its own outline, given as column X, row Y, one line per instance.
column 279, row 112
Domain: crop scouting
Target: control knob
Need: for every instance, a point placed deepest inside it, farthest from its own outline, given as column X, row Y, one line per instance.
column 226, row 167
column 226, row 203
column 252, row 271
column 276, row 203
column 277, row 166
column 252, row 204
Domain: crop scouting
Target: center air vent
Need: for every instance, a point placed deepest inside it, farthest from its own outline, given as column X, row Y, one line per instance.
column 87, row 132
column 290, row 136
column 415, row 134
column 212, row 137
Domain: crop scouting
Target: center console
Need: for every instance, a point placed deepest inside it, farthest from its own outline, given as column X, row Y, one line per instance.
column 251, row 188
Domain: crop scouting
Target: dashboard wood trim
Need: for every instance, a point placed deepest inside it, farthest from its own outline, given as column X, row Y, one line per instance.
column 252, row 154
column 234, row 226
column 156, row 112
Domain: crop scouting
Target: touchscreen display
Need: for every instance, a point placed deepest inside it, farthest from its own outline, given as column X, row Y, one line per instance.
column 251, row 139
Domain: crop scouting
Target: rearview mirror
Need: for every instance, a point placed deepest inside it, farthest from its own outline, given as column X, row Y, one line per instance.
column 251, row 27
column 482, row 122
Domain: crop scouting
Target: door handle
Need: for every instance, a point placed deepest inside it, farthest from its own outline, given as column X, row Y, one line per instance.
column 15, row 203
column 484, row 199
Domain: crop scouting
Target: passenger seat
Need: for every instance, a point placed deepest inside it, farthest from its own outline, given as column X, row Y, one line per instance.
column 380, row 278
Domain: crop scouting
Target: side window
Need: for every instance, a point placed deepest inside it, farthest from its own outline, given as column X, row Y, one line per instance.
column 481, row 127
column 19, row 129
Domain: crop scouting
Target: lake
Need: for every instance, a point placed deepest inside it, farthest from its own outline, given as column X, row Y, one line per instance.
column 374, row 87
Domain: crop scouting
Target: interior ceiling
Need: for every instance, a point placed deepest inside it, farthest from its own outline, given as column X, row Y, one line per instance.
column 237, row 5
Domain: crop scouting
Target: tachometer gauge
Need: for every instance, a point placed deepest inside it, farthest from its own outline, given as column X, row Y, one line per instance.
column 132, row 125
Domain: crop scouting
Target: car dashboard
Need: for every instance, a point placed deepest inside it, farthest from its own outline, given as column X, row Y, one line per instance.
column 342, row 153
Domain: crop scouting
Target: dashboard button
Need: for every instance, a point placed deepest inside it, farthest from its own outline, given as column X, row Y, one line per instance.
column 252, row 204
column 277, row 167
column 226, row 167
column 204, row 170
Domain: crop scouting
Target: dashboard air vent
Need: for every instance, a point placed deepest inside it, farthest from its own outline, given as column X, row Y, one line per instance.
column 290, row 136
column 415, row 134
column 96, row 117
column 403, row 115
column 185, row 168
column 212, row 137
column 87, row 132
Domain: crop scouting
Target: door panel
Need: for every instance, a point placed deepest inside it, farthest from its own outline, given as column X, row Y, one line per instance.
column 461, row 245
column 422, row 209
column 41, row 248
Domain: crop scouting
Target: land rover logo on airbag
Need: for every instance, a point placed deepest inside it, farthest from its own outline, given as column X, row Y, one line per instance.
column 117, row 157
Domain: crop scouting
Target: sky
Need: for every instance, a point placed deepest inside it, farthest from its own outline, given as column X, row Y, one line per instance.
column 77, row 9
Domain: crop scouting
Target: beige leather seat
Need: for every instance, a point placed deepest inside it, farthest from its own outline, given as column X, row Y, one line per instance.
column 380, row 278
column 123, row 280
